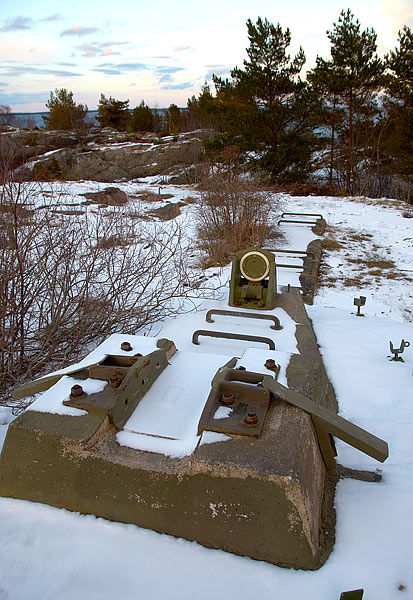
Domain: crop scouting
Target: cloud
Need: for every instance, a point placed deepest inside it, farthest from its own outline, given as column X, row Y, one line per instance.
column 79, row 30
column 18, row 23
column 178, row 86
column 51, row 18
column 99, row 48
column 166, row 79
column 120, row 69
column 16, row 70
column 181, row 48
column 218, row 71
column 166, row 70
column 107, row 71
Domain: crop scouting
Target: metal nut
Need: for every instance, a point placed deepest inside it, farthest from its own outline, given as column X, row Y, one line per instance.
column 114, row 381
column 227, row 398
column 251, row 418
column 270, row 364
column 126, row 346
column 76, row 391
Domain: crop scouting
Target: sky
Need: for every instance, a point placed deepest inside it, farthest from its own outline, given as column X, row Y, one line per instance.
column 157, row 50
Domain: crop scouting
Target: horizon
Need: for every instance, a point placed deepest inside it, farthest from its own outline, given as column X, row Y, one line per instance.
column 159, row 53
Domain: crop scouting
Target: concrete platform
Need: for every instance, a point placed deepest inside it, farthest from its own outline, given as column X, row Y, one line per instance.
column 260, row 497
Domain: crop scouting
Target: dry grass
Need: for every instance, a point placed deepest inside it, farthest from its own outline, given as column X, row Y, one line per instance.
column 231, row 215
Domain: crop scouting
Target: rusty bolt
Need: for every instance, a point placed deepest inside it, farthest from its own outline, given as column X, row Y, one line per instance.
column 270, row 364
column 241, row 368
column 126, row 346
column 114, row 381
column 76, row 391
column 227, row 398
column 238, row 303
column 251, row 418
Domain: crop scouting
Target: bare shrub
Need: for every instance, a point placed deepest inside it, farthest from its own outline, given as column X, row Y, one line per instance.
column 63, row 286
column 231, row 214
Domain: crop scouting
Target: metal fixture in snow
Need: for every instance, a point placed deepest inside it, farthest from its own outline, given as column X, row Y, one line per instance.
column 253, row 280
column 397, row 351
column 352, row 595
column 359, row 302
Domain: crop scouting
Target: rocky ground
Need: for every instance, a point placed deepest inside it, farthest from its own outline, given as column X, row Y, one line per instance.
column 102, row 155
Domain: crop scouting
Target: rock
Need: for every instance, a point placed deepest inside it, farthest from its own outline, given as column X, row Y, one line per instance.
column 167, row 212
column 111, row 196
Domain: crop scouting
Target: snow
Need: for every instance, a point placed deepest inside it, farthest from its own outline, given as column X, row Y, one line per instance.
column 49, row 553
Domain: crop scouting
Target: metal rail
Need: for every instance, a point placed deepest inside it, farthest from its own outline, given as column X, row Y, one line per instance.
column 295, row 221
column 295, row 214
column 279, row 250
column 232, row 336
column 237, row 313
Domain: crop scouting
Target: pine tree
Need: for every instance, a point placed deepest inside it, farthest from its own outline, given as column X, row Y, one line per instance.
column 113, row 113
column 398, row 139
column 142, row 118
column 355, row 63
column 64, row 113
column 271, row 103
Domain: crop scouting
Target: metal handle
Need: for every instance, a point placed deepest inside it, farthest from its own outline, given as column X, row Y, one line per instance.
column 232, row 336
column 295, row 214
column 237, row 313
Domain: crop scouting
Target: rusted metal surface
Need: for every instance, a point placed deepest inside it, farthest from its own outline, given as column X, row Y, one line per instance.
column 238, row 313
column 231, row 336
column 247, row 406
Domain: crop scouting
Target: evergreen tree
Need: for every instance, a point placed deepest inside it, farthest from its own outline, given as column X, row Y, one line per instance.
column 356, row 65
column 113, row 113
column 398, row 138
column 142, row 118
column 328, row 86
column 269, row 104
column 173, row 119
column 64, row 113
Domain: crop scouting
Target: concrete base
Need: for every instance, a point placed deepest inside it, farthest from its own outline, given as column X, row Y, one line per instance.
column 261, row 498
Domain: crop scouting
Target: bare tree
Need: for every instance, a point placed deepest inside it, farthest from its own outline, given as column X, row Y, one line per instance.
column 67, row 281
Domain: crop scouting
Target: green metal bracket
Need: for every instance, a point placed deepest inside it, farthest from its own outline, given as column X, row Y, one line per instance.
column 128, row 381
column 231, row 336
column 330, row 422
column 359, row 302
column 237, row 313
column 396, row 351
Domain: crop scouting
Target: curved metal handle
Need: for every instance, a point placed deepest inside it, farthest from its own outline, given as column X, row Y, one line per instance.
column 238, row 313
column 232, row 336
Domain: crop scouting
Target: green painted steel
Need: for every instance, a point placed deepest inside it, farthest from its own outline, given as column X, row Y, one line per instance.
column 253, row 280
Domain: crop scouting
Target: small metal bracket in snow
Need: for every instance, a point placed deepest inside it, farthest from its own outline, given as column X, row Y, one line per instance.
column 359, row 302
column 396, row 351
column 352, row 595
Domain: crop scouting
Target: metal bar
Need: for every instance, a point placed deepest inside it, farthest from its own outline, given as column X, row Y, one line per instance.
column 334, row 424
column 232, row 336
column 277, row 250
column 237, row 313
column 290, row 266
column 302, row 214
column 291, row 221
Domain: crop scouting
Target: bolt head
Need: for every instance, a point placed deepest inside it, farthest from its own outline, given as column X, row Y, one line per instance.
column 76, row 391
column 270, row 363
column 126, row 346
column 251, row 418
column 227, row 398
column 114, row 381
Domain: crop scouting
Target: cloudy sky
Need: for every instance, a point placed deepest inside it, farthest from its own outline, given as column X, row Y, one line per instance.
column 161, row 51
